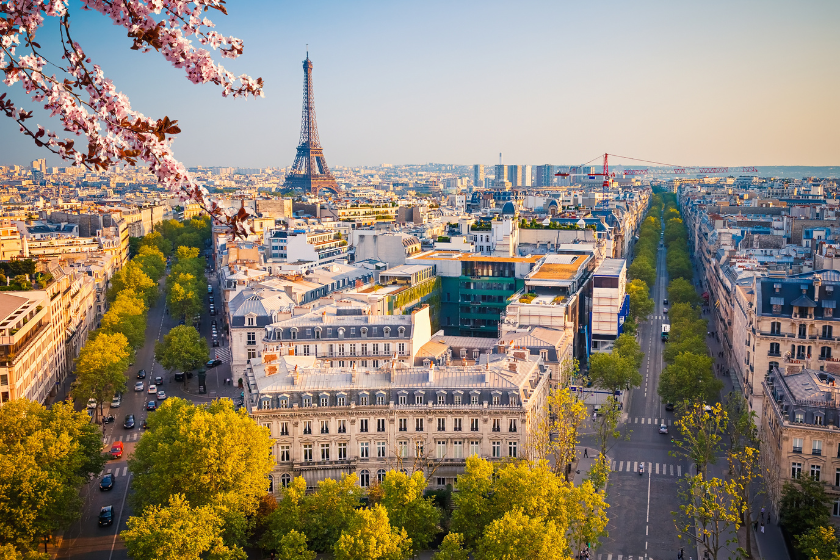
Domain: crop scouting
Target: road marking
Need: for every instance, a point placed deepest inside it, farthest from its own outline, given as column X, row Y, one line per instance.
column 620, row 466
column 119, row 518
column 635, row 465
column 612, row 467
column 657, row 468
column 672, row 470
column 679, row 470
column 125, row 471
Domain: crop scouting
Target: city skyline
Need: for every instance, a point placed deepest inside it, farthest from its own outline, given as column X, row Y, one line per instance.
column 725, row 85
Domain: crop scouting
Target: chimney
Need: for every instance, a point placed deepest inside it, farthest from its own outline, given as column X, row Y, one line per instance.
column 431, row 372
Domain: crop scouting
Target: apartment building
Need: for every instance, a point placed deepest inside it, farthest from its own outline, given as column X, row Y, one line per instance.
column 799, row 434
column 328, row 421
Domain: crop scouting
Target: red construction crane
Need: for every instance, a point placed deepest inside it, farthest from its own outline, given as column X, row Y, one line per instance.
column 666, row 169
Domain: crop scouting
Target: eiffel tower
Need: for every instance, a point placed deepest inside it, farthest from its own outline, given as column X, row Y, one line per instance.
column 310, row 172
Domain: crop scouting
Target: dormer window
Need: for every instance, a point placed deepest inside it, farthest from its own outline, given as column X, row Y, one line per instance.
column 386, row 331
column 293, row 334
column 364, row 331
column 251, row 321
column 401, row 331
column 340, row 333
column 318, row 333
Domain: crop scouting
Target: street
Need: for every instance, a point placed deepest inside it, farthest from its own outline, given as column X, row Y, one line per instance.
column 641, row 524
column 85, row 540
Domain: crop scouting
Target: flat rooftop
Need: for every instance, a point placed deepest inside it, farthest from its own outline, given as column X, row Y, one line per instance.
column 610, row 267
column 559, row 267
column 458, row 256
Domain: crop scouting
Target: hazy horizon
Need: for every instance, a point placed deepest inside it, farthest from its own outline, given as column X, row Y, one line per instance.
column 713, row 84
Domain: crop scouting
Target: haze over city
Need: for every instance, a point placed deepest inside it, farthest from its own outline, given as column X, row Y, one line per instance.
column 711, row 83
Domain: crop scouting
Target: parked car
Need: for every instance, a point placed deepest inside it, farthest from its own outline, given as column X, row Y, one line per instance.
column 213, row 322
column 161, row 396
column 669, row 407
column 128, row 424
column 116, row 450
column 141, row 374
column 158, row 380
column 107, row 482
column 212, row 363
column 209, row 288
column 211, row 299
column 116, row 402
column 91, row 403
column 151, row 405
column 179, row 376
column 152, row 390
column 663, row 429
column 106, row 516
column 215, row 342
column 139, row 386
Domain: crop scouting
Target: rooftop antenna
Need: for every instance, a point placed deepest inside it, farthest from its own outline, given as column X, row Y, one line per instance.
column 500, row 158
column 307, row 51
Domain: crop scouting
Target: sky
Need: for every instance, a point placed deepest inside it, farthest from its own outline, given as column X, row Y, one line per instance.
column 717, row 83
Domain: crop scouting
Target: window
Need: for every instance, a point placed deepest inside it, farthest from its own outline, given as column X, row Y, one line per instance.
column 803, row 331
column 364, row 349
column 456, row 424
column 363, row 400
column 835, row 511
column 512, row 425
column 352, row 349
column 341, row 401
column 458, row 449
column 799, row 417
column 818, row 420
column 285, row 453
column 325, row 451
column 797, row 445
column 307, row 402
column 403, row 399
column 816, row 447
column 293, row 334
column 364, row 450
column 250, row 322
column 342, row 451
column 497, row 425
column 285, row 480
column 473, row 424
column 401, row 348
column 418, row 399
column 441, row 399
column 380, row 475
column 441, row 424
column 473, row 400
column 836, row 477
column 418, row 449
column 795, row 470
column 252, row 338
column 363, row 425
column 497, row 400
column 775, row 350
column 380, row 449
column 307, row 427
column 441, row 449
column 375, row 347
column 252, row 353
column 325, row 426
column 775, row 328
column 325, row 401
column 815, row 472
column 511, row 449
column 284, row 428
column 800, row 352
column 512, row 398
column 307, row 452
column 474, row 449
column 342, row 426
column 380, row 400
column 380, row 424
column 318, row 334
column 402, row 449
column 827, row 331
column 825, row 352
column 418, row 424
column 497, row 449
column 364, row 479
column 441, row 481
column 403, row 424
column 340, row 349
column 456, row 400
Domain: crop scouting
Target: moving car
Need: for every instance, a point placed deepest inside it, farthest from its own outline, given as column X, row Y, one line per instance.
column 107, row 482
column 179, row 376
column 139, row 386
column 91, row 403
column 664, row 302
column 141, row 374
column 211, row 299
column 212, row 363
column 151, row 405
column 152, row 390
column 106, row 516
column 116, row 450
column 665, row 310
column 161, row 396
column 663, row 429
column 669, row 407
column 158, row 380
column 215, row 342
column 128, row 424
column 209, row 288
column 116, row 401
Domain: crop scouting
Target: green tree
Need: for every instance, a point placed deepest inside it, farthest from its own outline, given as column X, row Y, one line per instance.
column 182, row 349
column 369, row 536
column 127, row 315
column 100, row 367
column 293, row 547
column 45, row 457
column 805, row 505
column 177, row 531
column 682, row 344
column 613, row 371
column 152, row 261
column 606, row 428
column 710, row 515
column 288, row 516
column 681, row 290
column 409, row 510
column 627, row 347
column 156, row 240
column 10, row 552
column 643, row 269
column 641, row 305
column 131, row 277
column 183, row 297
column 330, row 511
column 690, row 378
column 517, row 535
column 211, row 454
column 452, row 548
column 555, row 430
column 473, row 500
column 819, row 543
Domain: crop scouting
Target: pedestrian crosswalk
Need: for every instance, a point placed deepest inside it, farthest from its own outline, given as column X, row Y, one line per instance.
column 116, row 472
column 655, row 421
column 624, row 557
column 224, row 354
column 659, row 317
column 133, row 436
column 664, row 469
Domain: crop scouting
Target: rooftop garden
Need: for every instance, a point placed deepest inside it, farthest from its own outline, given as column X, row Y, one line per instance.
column 528, row 298
column 481, row 226
column 534, row 224
column 442, row 239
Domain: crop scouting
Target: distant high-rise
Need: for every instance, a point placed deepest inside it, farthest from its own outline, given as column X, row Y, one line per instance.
column 545, row 175
column 478, row 176
column 39, row 165
column 519, row 175
column 310, row 172
column 501, row 172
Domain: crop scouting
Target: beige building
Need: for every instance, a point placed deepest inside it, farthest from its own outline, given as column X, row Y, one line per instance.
column 327, row 421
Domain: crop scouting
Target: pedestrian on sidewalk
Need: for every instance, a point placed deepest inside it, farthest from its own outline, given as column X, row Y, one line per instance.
column 762, row 513
column 762, row 527
column 585, row 452
column 755, row 525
